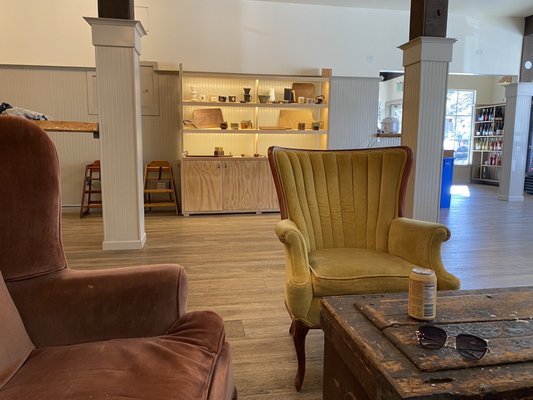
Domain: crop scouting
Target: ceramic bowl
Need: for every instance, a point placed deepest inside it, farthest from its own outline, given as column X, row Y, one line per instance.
column 263, row 98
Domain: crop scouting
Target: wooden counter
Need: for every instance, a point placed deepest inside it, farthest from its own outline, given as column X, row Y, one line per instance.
column 227, row 185
column 69, row 126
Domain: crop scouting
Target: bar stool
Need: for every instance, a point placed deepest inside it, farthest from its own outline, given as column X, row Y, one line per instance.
column 91, row 196
column 159, row 188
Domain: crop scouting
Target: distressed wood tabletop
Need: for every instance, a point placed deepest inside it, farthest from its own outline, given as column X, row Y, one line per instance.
column 376, row 341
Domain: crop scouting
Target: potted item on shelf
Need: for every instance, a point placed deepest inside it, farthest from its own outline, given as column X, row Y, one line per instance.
column 272, row 95
column 247, row 96
column 194, row 93
column 263, row 98
column 246, row 124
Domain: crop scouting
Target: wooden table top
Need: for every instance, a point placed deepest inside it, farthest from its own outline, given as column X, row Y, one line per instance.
column 377, row 340
column 70, row 126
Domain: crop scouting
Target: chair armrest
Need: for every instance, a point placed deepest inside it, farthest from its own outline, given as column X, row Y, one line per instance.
column 419, row 242
column 298, row 288
column 74, row 306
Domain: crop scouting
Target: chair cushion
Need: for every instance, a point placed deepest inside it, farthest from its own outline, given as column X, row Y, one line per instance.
column 340, row 271
column 179, row 364
column 15, row 344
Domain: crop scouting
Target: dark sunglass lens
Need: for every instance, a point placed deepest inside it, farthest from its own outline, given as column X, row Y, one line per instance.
column 471, row 347
column 431, row 337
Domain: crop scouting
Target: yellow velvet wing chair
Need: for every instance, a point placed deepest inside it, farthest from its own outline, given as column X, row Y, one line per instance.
column 343, row 231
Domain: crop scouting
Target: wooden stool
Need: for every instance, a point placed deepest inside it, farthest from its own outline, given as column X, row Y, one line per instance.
column 89, row 192
column 159, row 188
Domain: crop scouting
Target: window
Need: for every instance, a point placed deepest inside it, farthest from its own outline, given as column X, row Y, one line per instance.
column 459, row 124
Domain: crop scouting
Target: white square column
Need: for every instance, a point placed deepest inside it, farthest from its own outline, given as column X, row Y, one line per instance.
column 517, row 117
column 426, row 61
column 117, row 45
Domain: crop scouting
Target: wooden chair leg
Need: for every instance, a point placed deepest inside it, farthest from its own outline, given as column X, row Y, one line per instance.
column 299, row 331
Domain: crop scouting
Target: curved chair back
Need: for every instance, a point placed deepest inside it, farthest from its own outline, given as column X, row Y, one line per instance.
column 342, row 198
column 30, row 235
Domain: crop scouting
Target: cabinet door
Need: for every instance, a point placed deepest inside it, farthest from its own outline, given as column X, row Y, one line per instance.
column 202, row 186
column 241, row 185
column 268, row 198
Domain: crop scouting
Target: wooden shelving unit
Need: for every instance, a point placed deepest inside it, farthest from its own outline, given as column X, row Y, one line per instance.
column 243, row 183
column 198, row 88
column 487, row 143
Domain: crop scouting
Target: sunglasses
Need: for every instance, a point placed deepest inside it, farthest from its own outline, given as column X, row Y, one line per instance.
column 469, row 346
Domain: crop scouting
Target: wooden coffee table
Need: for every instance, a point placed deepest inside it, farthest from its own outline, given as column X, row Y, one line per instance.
column 371, row 351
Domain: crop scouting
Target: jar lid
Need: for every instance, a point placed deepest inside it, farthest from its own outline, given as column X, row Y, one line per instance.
column 423, row 271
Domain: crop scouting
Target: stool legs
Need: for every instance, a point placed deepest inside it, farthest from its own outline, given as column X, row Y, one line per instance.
column 89, row 192
column 158, row 181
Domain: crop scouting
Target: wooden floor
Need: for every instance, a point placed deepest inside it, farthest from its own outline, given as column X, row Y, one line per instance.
column 235, row 266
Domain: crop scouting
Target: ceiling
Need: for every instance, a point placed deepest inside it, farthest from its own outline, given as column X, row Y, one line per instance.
column 496, row 8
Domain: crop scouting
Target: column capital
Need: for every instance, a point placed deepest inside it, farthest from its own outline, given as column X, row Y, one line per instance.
column 111, row 32
column 519, row 89
column 427, row 48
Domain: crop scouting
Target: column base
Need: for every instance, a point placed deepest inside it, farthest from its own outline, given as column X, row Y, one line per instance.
column 510, row 198
column 124, row 244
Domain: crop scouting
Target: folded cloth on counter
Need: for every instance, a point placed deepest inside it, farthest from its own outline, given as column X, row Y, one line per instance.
column 8, row 109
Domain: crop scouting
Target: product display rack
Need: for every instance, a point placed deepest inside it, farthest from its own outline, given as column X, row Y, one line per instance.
column 227, row 131
column 202, row 91
column 487, row 143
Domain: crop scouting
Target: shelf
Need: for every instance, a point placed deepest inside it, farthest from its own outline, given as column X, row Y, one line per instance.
column 270, row 115
column 486, row 151
column 263, row 77
column 69, row 126
column 494, row 125
column 255, row 131
column 239, row 104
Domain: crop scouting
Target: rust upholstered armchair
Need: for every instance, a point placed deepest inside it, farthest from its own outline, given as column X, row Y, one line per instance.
column 343, row 231
column 104, row 334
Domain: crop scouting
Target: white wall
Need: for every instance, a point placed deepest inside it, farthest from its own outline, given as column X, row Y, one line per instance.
column 256, row 37
column 488, row 91
column 353, row 112
column 62, row 93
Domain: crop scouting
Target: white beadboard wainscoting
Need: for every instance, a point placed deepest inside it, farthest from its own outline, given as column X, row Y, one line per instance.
column 68, row 93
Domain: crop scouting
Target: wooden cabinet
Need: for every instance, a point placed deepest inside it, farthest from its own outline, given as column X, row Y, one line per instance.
column 201, row 185
column 227, row 184
column 252, row 125
column 488, row 143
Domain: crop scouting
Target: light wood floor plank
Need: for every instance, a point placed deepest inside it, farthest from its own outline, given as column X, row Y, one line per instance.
column 235, row 266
